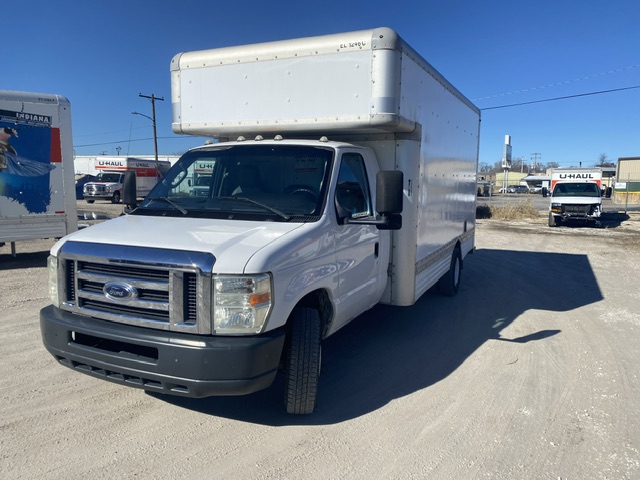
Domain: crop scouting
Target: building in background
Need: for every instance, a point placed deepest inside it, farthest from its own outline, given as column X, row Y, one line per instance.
column 627, row 181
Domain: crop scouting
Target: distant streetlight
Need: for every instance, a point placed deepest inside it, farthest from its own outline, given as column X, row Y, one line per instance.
column 153, row 99
column 153, row 122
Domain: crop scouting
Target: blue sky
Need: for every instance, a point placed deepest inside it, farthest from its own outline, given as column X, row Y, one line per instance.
column 102, row 55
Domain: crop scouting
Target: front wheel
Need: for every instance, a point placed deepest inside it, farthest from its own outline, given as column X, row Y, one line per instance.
column 116, row 197
column 449, row 283
column 554, row 221
column 302, row 362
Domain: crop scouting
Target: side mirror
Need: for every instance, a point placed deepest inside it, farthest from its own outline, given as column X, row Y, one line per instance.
column 389, row 199
column 389, row 193
column 129, row 191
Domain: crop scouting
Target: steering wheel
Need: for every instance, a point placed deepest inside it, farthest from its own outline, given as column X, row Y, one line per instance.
column 303, row 191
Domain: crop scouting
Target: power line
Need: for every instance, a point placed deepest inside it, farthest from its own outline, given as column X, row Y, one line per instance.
column 561, row 98
column 556, row 84
column 126, row 141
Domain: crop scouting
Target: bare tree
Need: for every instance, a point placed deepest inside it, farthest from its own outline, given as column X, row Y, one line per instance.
column 602, row 161
column 552, row 165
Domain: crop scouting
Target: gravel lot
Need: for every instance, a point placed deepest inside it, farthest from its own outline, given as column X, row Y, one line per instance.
column 531, row 372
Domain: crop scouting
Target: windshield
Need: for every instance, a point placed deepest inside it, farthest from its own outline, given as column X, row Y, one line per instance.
column 576, row 190
column 260, row 182
column 109, row 177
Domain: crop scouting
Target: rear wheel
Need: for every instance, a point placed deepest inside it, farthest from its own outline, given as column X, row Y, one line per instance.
column 90, row 201
column 302, row 362
column 450, row 282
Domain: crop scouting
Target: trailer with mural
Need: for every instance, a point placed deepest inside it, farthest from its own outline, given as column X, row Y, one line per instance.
column 36, row 167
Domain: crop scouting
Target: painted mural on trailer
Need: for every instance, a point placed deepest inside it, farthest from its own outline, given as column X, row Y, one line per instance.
column 25, row 159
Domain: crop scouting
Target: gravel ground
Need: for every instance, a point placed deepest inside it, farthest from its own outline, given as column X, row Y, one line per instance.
column 531, row 372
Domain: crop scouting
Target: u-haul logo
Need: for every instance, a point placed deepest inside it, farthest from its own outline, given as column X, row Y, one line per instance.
column 109, row 163
column 578, row 176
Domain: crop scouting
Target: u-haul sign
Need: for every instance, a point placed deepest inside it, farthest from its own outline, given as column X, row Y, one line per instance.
column 591, row 175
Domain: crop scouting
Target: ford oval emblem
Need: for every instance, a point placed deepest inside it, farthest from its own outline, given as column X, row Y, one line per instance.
column 119, row 291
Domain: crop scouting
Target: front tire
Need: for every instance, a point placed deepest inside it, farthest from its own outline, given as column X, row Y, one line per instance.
column 302, row 362
column 449, row 283
column 554, row 221
column 116, row 197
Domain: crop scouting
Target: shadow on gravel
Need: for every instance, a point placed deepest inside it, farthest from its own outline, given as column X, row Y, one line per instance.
column 390, row 352
column 23, row 260
column 613, row 219
column 607, row 220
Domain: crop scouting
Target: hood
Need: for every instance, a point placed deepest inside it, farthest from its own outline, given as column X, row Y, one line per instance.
column 232, row 242
column 101, row 183
column 576, row 200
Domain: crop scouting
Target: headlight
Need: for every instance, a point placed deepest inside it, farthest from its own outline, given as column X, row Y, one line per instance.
column 556, row 207
column 241, row 304
column 110, row 188
column 52, row 264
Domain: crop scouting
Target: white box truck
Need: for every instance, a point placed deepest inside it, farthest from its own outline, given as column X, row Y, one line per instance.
column 37, row 192
column 576, row 194
column 110, row 171
column 350, row 181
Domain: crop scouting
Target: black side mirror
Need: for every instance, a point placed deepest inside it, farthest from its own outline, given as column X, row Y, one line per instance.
column 389, row 193
column 129, row 191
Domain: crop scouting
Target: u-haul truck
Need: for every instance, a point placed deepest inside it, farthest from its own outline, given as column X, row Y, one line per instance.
column 576, row 194
column 110, row 177
column 346, row 177
column 37, row 191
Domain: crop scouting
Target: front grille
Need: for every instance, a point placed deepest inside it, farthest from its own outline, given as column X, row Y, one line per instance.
column 577, row 209
column 95, row 189
column 155, row 288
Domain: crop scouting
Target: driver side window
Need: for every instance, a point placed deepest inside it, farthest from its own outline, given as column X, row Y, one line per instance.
column 352, row 191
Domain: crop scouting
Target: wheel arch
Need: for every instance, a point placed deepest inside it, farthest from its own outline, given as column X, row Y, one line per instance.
column 319, row 300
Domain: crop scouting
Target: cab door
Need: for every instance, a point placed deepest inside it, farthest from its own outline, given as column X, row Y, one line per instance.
column 361, row 250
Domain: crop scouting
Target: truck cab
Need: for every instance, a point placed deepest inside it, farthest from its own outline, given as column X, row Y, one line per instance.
column 575, row 201
column 107, row 186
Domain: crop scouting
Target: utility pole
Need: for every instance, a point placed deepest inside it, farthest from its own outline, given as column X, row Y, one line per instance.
column 153, row 99
column 535, row 157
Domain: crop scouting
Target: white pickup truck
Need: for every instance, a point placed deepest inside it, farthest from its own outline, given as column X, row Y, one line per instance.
column 350, row 181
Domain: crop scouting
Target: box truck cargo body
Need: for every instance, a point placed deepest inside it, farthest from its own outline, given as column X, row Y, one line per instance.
column 37, row 192
column 576, row 194
column 345, row 176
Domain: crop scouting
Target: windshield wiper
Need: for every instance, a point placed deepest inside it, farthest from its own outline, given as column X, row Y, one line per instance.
column 170, row 202
column 280, row 213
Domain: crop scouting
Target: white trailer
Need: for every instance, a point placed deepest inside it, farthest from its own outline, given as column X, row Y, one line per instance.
column 37, row 192
column 350, row 181
column 576, row 194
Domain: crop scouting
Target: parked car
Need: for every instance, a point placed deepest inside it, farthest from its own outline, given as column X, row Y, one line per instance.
column 518, row 189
